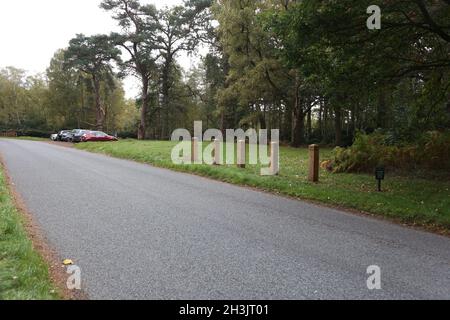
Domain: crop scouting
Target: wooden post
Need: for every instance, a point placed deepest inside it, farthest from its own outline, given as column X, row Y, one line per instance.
column 313, row 163
column 194, row 150
column 217, row 152
column 241, row 154
column 274, row 158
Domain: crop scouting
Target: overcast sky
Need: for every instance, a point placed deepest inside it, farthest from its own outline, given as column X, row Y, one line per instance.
column 32, row 30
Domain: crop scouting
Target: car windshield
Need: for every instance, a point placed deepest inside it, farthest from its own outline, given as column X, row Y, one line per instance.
column 79, row 132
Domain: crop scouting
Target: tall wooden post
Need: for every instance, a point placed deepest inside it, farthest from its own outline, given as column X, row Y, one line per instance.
column 274, row 158
column 313, row 163
column 194, row 150
column 241, row 154
column 217, row 152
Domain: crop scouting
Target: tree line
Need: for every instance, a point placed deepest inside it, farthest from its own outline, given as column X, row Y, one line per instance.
column 310, row 68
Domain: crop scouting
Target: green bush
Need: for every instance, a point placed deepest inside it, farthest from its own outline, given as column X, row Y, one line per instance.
column 34, row 133
column 431, row 152
column 127, row 134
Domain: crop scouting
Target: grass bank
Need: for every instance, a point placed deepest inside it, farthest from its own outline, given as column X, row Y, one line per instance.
column 23, row 273
column 410, row 200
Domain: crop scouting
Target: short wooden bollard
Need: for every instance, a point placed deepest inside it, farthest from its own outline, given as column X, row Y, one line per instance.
column 194, row 150
column 313, row 163
column 241, row 154
column 274, row 158
column 217, row 152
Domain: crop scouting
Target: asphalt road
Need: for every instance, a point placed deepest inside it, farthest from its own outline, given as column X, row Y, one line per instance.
column 140, row 232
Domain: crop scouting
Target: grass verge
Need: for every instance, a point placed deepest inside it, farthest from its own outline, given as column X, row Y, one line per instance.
column 28, row 138
column 409, row 200
column 23, row 273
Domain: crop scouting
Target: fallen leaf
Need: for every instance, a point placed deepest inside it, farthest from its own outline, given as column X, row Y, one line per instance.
column 67, row 262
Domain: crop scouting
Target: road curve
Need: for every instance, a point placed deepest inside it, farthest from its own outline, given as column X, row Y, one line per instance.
column 140, row 232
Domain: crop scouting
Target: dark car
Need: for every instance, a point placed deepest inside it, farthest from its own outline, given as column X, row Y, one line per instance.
column 97, row 136
column 64, row 135
column 77, row 135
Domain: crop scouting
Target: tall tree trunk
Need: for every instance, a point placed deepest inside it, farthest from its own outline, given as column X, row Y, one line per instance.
column 338, row 126
column 263, row 117
column 235, row 118
column 298, row 117
column 222, row 120
column 143, row 122
column 321, row 119
column 299, row 129
column 309, row 124
column 353, row 118
column 280, row 121
column 100, row 112
column 325, row 124
column 165, row 96
column 80, row 114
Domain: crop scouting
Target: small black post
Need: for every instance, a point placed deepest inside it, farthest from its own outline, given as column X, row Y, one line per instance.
column 379, row 175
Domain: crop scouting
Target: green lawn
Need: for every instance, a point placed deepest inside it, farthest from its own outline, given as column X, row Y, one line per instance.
column 23, row 273
column 408, row 200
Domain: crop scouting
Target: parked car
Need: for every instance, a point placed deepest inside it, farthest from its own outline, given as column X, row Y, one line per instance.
column 64, row 135
column 77, row 134
column 54, row 137
column 97, row 136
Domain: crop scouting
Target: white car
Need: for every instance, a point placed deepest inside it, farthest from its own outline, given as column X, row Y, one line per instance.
column 54, row 137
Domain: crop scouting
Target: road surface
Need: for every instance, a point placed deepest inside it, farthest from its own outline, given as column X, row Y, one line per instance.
column 140, row 232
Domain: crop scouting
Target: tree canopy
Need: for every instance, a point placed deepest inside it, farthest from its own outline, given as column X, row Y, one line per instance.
column 311, row 68
column 93, row 56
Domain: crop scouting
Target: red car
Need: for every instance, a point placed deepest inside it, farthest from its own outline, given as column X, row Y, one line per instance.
column 97, row 136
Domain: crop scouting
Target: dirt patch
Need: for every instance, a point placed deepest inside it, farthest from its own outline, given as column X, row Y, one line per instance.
column 56, row 269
